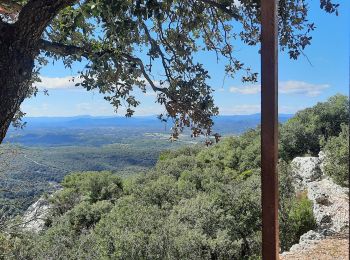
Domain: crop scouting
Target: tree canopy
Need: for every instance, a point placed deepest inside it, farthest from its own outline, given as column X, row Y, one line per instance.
column 121, row 41
column 309, row 129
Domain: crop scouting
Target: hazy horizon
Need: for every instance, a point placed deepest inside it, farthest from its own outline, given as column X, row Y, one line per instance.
column 136, row 116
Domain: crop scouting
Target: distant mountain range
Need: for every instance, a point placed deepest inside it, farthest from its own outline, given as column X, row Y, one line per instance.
column 96, row 131
column 138, row 121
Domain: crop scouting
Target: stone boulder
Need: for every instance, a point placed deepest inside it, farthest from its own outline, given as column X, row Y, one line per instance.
column 330, row 201
column 305, row 170
column 35, row 216
column 330, row 205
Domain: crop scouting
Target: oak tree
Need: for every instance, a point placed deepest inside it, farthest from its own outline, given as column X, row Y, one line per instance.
column 121, row 41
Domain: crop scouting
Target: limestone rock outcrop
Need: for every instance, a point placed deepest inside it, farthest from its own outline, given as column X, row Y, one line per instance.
column 35, row 216
column 330, row 201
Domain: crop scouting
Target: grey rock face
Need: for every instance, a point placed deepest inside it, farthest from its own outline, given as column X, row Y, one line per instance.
column 322, row 157
column 35, row 216
column 330, row 201
column 330, row 204
column 306, row 170
column 306, row 241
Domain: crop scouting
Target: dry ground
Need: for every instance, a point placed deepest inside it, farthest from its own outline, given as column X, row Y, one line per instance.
column 331, row 248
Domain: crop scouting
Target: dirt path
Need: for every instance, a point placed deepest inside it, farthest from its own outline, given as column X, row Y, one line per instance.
column 31, row 160
column 331, row 248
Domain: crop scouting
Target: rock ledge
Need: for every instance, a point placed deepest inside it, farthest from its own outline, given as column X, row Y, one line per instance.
column 330, row 202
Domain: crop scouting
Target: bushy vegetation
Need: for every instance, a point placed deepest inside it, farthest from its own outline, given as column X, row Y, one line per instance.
column 26, row 173
column 51, row 148
column 295, row 210
column 309, row 128
column 196, row 203
column 324, row 126
column 336, row 162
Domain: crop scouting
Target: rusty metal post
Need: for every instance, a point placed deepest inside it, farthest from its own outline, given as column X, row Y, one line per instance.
column 269, row 129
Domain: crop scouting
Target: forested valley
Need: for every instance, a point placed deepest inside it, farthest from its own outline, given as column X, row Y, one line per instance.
column 35, row 159
column 188, row 201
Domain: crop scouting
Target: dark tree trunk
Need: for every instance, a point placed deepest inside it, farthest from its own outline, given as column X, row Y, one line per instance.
column 16, row 65
column 19, row 45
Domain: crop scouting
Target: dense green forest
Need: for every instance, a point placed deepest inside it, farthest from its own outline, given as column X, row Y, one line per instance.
column 30, row 171
column 196, row 203
column 36, row 158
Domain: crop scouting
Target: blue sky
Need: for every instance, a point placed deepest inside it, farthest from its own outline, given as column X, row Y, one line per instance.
column 301, row 84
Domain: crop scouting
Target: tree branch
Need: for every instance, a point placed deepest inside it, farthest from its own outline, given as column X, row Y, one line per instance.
column 144, row 73
column 223, row 8
column 66, row 50
column 62, row 49
column 155, row 45
column 36, row 15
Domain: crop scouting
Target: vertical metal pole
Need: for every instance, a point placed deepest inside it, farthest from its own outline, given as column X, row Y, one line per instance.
column 269, row 129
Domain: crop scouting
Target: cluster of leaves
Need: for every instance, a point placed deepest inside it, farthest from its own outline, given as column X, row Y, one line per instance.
column 310, row 128
column 197, row 203
column 336, row 162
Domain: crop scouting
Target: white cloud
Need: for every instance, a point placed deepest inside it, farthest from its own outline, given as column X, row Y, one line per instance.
column 67, row 82
column 301, row 88
column 246, row 90
column 285, row 87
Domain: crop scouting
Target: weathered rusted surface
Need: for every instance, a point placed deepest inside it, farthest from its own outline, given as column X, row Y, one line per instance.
column 269, row 129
